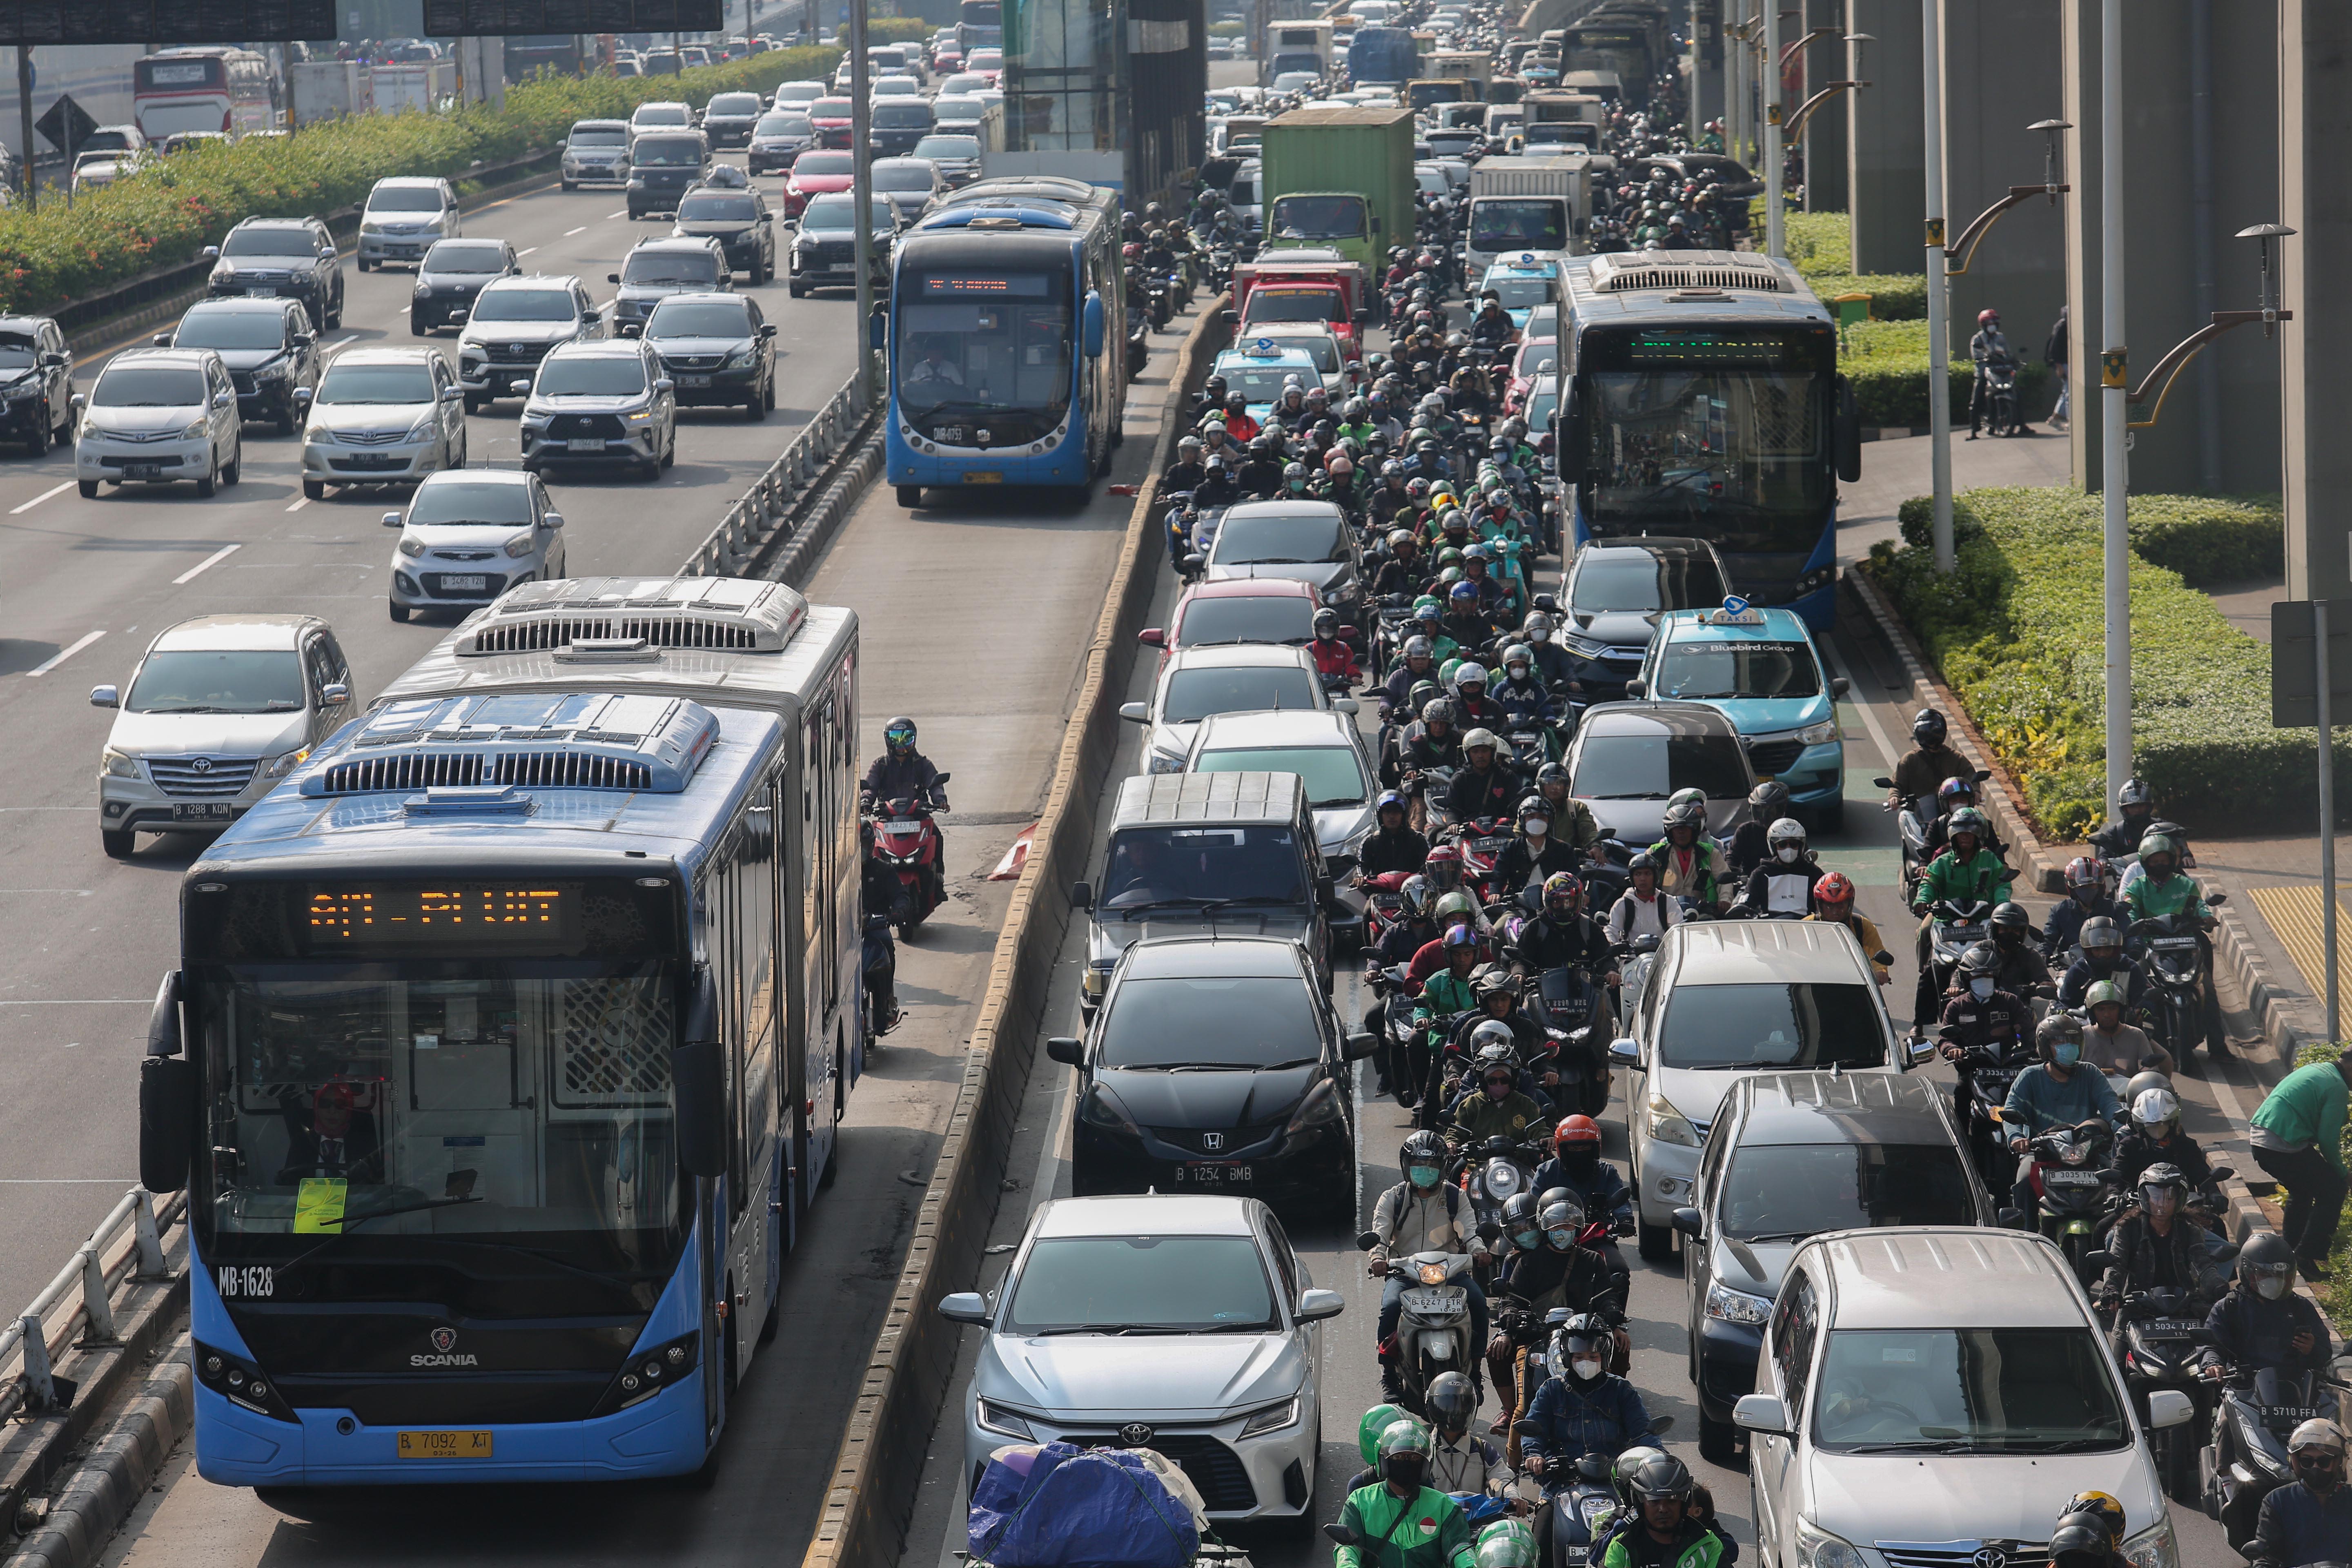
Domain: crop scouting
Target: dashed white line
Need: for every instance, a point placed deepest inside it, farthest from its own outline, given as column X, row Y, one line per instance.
column 527, row 250
column 570, row 232
column 66, row 653
column 56, row 489
column 610, row 216
column 215, row 559
column 300, row 502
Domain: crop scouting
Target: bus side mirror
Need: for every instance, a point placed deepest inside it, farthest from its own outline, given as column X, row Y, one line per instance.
column 878, row 331
column 1849, row 433
column 1093, row 324
column 163, row 1021
column 167, row 1122
column 699, row 1076
column 1568, row 439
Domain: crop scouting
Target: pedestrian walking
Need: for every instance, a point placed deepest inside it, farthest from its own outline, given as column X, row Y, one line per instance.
column 2056, row 352
column 2297, row 1136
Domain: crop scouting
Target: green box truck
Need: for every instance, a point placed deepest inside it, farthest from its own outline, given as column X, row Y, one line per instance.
column 1340, row 179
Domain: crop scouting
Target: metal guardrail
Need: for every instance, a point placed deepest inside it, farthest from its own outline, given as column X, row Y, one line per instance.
column 131, row 1245
column 758, row 522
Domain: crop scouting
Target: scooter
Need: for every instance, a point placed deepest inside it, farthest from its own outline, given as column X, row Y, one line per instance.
column 1496, row 1172
column 2069, row 1188
column 2181, row 1006
column 879, row 967
column 2157, row 1334
column 1579, row 1500
column 2000, row 399
column 903, row 841
column 2246, row 1459
column 1912, row 823
column 1432, row 1331
column 1568, row 1003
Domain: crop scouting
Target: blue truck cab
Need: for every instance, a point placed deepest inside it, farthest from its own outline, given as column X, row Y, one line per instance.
column 1761, row 666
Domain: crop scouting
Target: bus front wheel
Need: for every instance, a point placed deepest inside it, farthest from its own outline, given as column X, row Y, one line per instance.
column 910, row 496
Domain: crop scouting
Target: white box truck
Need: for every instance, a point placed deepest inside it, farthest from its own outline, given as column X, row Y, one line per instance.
column 1538, row 202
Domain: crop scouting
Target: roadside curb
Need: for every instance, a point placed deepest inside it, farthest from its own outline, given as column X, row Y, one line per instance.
column 122, row 1464
column 854, row 475
column 870, row 1495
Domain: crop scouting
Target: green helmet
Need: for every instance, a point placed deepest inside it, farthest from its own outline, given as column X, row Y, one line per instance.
column 1621, row 1473
column 1506, row 1525
column 1449, row 556
column 2157, row 844
column 2105, row 990
column 1499, row 1548
column 1445, row 672
column 1692, row 796
column 1456, row 905
column 1402, row 1435
column 1376, row 1420
column 1430, row 602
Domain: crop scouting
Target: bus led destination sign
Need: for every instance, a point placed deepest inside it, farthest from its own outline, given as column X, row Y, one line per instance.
column 1703, row 347
column 396, row 914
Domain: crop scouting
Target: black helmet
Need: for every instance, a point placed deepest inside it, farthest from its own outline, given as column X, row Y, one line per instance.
column 1768, row 800
column 1980, row 959
column 2136, row 792
column 1326, row 620
column 898, row 735
column 2011, row 923
column 1687, row 813
column 2080, row 1541
column 1519, row 1217
column 2266, row 1256
column 1663, row 1476
column 1644, row 861
column 1927, row 727
column 1551, row 773
column 1452, row 1401
column 1585, row 1333
column 2054, row 1031
column 1422, row 1148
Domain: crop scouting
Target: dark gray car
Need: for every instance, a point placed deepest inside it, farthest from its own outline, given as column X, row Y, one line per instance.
column 657, row 269
column 292, row 258
column 451, row 276
column 718, row 349
column 729, row 117
column 741, row 223
column 898, row 124
column 269, row 347
column 663, row 165
column 777, row 140
column 912, row 184
column 824, row 252
column 36, row 389
column 1615, row 591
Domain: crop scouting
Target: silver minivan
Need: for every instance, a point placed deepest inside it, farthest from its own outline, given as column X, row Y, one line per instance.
column 404, row 217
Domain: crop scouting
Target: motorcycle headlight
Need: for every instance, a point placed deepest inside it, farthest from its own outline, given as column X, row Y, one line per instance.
column 1735, row 1305
column 1595, row 1509
column 118, row 764
column 1502, row 1178
column 518, row 546
column 412, row 548
column 196, row 431
column 280, row 766
column 1668, row 1126
column 1273, row 1418
column 1820, row 734
column 2154, row 1547
column 1319, row 1109
column 1433, row 1274
column 1817, row 1548
column 990, row 1416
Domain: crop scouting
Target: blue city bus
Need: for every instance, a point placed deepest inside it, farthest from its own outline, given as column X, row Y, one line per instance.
column 510, row 1038
column 1703, row 399
column 1008, row 356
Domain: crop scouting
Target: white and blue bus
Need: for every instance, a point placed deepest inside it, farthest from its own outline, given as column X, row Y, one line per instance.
column 1703, row 399
column 510, row 1038
column 1008, row 356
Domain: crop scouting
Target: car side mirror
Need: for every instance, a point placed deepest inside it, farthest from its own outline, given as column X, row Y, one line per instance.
column 1839, row 686
column 335, row 694
column 1194, row 563
column 105, row 697
column 1067, row 1050
column 326, row 253
column 1229, row 318
column 1152, row 637
column 963, row 1306
column 1763, row 1413
column 304, row 340
column 1314, row 1306
column 1361, row 1046
column 223, row 399
column 611, row 278
column 553, row 520
column 1625, row 1053
column 2011, row 1219
column 212, row 253
column 665, row 384
column 448, row 393
column 766, row 329
column 1082, row 895
column 2169, row 1407
column 79, row 400
column 1135, row 713
column 1691, row 1223
column 1344, row 705
column 161, row 340
column 391, row 520
column 1637, row 689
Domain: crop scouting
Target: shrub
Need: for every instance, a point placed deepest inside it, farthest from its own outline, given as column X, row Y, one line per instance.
column 2018, row 631
column 166, row 214
column 889, row 30
column 1819, row 244
column 1887, row 361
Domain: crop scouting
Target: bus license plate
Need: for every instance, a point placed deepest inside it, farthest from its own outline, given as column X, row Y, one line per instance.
column 444, row 1445
column 474, row 583
column 1215, row 1176
column 984, row 477
column 584, row 444
column 204, row 811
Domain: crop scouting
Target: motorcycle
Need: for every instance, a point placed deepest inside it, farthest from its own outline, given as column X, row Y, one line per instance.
column 2000, row 399
column 2246, row 1459
column 1988, row 1085
column 1496, row 1172
column 879, row 967
column 2069, row 1188
column 2182, row 1009
column 1578, row 1499
column 1568, row 1003
column 2157, row 1331
column 1953, row 928
column 1432, row 1331
column 1483, row 840
column 1913, row 823
column 1403, row 1035
column 903, row 844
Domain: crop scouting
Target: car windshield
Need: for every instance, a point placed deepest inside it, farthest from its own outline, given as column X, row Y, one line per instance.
column 699, row 319
column 1153, row 868
column 1431, row 182
column 1263, row 382
column 1743, row 1027
column 800, row 91
column 136, row 386
column 1537, row 357
column 1518, row 291
column 1786, row 1191
column 832, row 109
column 957, row 106
column 376, row 383
column 1519, row 223
column 1968, row 1391
column 732, row 104
column 1296, row 305
column 822, row 163
column 1279, row 540
column 404, row 199
column 1611, row 582
column 1192, row 695
column 1333, row 775
column 1323, row 350
column 599, row 136
column 781, row 125
column 18, row 351
column 1317, row 217
column 1257, row 619
column 1652, row 763
column 1166, row 1284
column 466, row 255
column 202, row 329
column 900, row 116
column 717, row 206
column 218, row 680
column 469, row 500
column 1254, row 1022
column 270, row 242
column 825, row 215
column 1710, row 670
column 590, row 375
column 948, row 147
column 523, row 305
column 666, row 152
column 661, row 113
column 670, row 266
column 903, row 177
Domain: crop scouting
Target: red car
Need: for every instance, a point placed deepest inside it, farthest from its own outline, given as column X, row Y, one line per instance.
column 1536, row 357
column 816, row 174
column 1242, row 610
column 989, row 63
column 831, row 119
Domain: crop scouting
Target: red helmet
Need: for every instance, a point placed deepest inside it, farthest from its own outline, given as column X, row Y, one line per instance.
column 1986, row 317
column 1834, row 888
column 1576, row 1129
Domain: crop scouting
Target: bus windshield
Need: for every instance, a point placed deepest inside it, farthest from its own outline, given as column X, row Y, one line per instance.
column 1738, row 446
column 987, row 350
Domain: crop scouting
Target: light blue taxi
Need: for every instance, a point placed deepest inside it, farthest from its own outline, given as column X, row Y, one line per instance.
column 1762, row 669
column 1524, row 281
column 1259, row 370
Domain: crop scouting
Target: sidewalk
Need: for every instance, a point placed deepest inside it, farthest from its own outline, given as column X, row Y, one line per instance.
column 1895, row 471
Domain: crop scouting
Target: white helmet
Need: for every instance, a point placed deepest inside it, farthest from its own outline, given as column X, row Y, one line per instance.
column 2154, row 1107
column 1464, row 674
column 1477, row 738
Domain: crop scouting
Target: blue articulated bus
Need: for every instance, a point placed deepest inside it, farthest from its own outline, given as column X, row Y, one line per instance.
column 510, row 1036
column 1008, row 352
column 1703, row 400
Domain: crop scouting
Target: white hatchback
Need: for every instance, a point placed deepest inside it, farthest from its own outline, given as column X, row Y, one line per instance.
column 468, row 536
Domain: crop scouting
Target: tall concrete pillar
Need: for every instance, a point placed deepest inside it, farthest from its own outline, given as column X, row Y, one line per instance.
column 2000, row 63
column 1825, row 61
column 1886, row 180
column 2315, row 52
column 1706, row 63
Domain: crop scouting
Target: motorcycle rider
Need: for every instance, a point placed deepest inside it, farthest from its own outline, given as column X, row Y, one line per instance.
column 2296, row 1135
column 1334, row 657
column 1782, row 883
column 1667, row 1536
column 2309, row 1519
column 1469, row 620
column 1577, row 1166
column 1491, row 327
column 2059, row 1091
column 1403, row 1521
column 902, row 772
column 2021, row 967
column 1966, row 872
column 1237, row 421
column 1691, row 864
column 2086, row 900
column 1423, row 1213
column 1555, row 1272
column 2134, row 810
column 1583, row 1407
column 1393, row 844
column 1990, row 350
column 2154, row 1248
column 1524, row 700
column 1486, row 785
column 1534, row 852
column 2103, row 961
column 1428, row 744
column 2113, row 1046
column 1260, row 475
column 2262, row 1323
column 1922, row 769
column 1217, row 491
column 1572, row 822
column 1187, row 471
column 1833, row 905
column 1459, row 1462
column 1751, row 846
column 2166, row 890
column 1500, row 1108
column 1982, row 1027
column 2154, row 1138
column 1641, row 909
column 1472, row 708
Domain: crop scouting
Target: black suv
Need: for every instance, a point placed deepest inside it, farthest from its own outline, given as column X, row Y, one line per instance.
column 37, row 386
column 451, row 276
column 656, row 268
column 664, row 164
column 293, row 258
column 269, row 350
column 728, row 117
column 718, row 349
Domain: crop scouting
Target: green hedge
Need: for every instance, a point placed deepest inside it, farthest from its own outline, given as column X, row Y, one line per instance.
column 1819, row 244
column 889, row 30
column 1887, row 363
column 169, row 213
column 2018, row 631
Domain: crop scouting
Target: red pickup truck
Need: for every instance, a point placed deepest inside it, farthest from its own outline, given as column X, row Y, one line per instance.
column 1330, row 293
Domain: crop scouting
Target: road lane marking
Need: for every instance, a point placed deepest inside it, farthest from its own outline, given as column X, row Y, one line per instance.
column 78, row 1002
column 300, row 502
column 59, row 490
column 66, row 653
column 610, row 216
column 527, row 250
column 215, row 559
column 570, row 232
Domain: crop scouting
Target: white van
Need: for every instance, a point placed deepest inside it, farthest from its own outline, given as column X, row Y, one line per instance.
column 1963, row 1358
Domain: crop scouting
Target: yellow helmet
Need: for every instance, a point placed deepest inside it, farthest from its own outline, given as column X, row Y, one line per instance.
column 2109, row 1512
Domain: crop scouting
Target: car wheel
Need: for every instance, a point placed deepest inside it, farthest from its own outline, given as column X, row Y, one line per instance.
column 772, row 391
column 670, row 452
column 1718, row 1441
column 314, row 490
column 757, row 407
column 38, row 444
column 211, row 481
column 571, row 184
column 285, row 420
column 416, row 327
column 795, row 291
column 335, row 311
column 473, row 404
column 235, row 471
column 116, row 842
column 89, row 489
column 399, row 613
column 364, row 263
column 457, row 459
column 1656, row 1242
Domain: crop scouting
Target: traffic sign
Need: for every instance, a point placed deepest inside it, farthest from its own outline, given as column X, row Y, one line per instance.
column 67, row 125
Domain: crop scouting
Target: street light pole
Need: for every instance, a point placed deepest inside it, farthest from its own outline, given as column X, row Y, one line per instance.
column 861, row 187
column 1774, row 244
column 1939, row 344
column 2115, row 474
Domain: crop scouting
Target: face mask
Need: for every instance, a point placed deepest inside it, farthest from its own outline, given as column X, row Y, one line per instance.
column 1982, row 989
column 1563, row 1239
column 2066, row 1053
column 1424, row 1176
column 1544, row 635
column 1788, row 854
column 1537, row 827
column 2271, row 1287
column 1528, row 1238
column 1405, row 1473
column 1588, row 1371
column 1518, row 672
column 2321, row 1478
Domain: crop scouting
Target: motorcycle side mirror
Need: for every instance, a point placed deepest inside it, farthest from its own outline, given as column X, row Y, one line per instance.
column 1983, row 773
column 1344, row 1536
column 1662, row 1425
column 1361, row 1046
column 1883, row 783
column 1367, row 1239
column 1082, row 895
column 2226, row 1253
column 2100, row 1260
column 1489, row 1232
column 1691, row 1223
column 1229, row 318
column 2223, row 1173
column 1069, row 1052
column 2169, row 1407
column 2217, row 896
